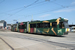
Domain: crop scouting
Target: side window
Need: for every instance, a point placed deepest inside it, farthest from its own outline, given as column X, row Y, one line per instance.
column 11, row 26
column 61, row 25
column 22, row 26
column 19, row 26
column 46, row 25
column 54, row 24
column 25, row 26
column 32, row 25
column 40, row 25
column 43, row 25
column 14, row 26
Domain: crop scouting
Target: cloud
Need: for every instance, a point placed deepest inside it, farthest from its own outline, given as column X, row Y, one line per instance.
column 65, row 10
column 45, row 15
column 73, row 3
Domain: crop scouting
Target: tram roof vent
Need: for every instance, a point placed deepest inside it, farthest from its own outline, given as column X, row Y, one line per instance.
column 65, row 18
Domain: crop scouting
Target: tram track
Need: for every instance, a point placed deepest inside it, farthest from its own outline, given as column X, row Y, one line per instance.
column 70, row 46
column 7, row 43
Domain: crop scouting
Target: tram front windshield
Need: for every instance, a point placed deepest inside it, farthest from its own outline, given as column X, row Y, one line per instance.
column 22, row 26
column 66, row 24
column 63, row 24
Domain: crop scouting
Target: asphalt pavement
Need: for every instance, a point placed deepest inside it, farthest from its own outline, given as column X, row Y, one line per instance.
column 25, row 41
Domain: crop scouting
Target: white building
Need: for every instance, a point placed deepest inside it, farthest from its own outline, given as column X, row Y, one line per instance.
column 3, row 24
column 72, row 28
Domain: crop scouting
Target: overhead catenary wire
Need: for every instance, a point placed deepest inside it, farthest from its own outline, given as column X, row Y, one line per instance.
column 30, row 5
column 26, row 6
column 49, row 10
column 23, row 7
column 59, row 4
column 56, row 3
column 52, row 10
column 20, row 7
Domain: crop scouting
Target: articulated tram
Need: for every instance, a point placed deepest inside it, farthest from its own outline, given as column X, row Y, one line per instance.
column 51, row 27
column 14, row 27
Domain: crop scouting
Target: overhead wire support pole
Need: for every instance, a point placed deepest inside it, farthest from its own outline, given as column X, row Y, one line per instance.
column 32, row 18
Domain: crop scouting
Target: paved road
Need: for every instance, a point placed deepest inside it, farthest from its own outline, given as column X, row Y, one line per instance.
column 66, row 41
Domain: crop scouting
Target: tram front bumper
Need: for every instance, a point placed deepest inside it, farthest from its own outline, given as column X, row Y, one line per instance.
column 65, row 33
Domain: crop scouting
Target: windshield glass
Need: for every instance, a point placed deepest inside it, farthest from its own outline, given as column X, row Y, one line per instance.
column 66, row 24
column 22, row 26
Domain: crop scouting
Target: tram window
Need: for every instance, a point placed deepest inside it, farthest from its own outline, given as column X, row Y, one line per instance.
column 40, row 25
column 11, row 26
column 25, row 26
column 22, row 26
column 14, row 26
column 19, row 26
column 54, row 24
column 46, row 25
column 32, row 25
column 61, row 25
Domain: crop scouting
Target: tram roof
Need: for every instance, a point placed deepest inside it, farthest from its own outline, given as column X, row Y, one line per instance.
column 47, row 21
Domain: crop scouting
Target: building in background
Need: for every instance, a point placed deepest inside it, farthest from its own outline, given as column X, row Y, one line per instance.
column 72, row 28
column 3, row 24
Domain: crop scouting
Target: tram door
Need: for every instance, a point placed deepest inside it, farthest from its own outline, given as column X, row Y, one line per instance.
column 32, row 26
column 53, row 28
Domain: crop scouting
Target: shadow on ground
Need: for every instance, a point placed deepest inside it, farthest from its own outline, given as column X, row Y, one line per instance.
column 45, row 34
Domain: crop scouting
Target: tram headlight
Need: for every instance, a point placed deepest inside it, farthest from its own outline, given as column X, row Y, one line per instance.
column 67, row 30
